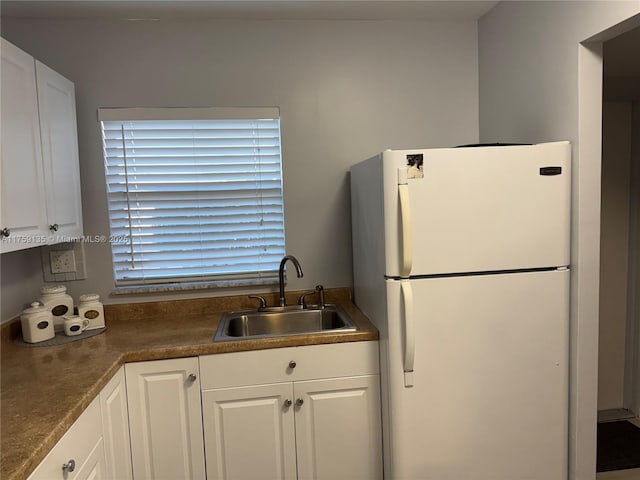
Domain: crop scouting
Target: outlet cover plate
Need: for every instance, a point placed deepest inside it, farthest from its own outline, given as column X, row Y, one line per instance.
column 62, row 261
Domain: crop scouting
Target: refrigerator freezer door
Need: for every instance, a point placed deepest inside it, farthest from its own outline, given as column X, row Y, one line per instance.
column 490, row 379
column 478, row 209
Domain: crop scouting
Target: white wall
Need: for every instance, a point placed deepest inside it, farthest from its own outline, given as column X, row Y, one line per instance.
column 614, row 253
column 347, row 89
column 21, row 278
column 530, row 90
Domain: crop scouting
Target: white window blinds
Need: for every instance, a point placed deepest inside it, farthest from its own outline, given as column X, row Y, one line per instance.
column 194, row 199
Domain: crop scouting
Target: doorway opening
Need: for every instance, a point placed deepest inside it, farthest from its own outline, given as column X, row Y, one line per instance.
column 619, row 311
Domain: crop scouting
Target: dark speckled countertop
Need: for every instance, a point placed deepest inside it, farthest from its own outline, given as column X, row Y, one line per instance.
column 45, row 389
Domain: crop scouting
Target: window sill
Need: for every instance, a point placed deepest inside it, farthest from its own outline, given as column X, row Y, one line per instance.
column 193, row 286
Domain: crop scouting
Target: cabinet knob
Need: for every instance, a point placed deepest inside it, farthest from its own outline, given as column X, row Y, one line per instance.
column 292, row 364
column 5, row 232
column 192, row 377
column 299, row 402
column 70, row 466
column 288, row 402
column 54, row 227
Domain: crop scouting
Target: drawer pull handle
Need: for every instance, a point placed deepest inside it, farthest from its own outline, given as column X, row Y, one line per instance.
column 54, row 227
column 5, row 232
column 292, row 364
column 192, row 377
column 288, row 403
column 70, row 466
column 299, row 402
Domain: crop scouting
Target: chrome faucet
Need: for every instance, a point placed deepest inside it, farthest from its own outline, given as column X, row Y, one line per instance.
column 295, row 262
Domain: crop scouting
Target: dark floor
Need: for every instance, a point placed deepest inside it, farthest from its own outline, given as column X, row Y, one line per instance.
column 618, row 446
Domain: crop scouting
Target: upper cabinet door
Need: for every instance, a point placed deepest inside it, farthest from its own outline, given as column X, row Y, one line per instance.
column 21, row 173
column 57, row 105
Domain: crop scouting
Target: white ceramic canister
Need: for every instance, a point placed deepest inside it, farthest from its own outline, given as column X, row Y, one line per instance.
column 90, row 308
column 58, row 302
column 37, row 324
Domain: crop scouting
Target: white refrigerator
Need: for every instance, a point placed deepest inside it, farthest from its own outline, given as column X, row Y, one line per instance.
column 461, row 260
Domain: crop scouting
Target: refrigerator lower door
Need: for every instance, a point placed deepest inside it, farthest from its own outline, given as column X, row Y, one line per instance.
column 489, row 393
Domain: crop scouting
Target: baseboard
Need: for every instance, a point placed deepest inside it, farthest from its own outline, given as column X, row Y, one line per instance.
column 615, row 414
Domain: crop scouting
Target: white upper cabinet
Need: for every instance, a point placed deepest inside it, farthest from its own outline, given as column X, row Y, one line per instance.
column 22, row 178
column 58, row 131
column 39, row 169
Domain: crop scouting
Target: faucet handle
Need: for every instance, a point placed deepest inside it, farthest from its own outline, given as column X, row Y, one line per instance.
column 263, row 301
column 320, row 291
column 301, row 298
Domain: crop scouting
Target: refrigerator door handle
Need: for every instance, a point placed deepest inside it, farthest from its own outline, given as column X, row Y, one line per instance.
column 409, row 336
column 405, row 221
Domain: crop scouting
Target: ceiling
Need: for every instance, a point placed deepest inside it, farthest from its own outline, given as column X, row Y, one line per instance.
column 251, row 9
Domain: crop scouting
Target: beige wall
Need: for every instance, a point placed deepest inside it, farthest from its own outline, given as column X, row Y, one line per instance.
column 346, row 89
column 614, row 252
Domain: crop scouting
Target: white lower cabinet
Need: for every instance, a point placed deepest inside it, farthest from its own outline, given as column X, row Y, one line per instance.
column 287, row 413
column 338, row 432
column 165, row 419
column 312, row 424
column 94, row 467
column 79, row 454
column 249, row 432
column 97, row 444
column 115, row 428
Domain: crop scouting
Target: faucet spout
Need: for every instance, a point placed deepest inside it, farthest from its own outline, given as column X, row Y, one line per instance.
column 296, row 264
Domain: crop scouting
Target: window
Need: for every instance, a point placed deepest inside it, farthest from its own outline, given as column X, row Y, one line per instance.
column 194, row 194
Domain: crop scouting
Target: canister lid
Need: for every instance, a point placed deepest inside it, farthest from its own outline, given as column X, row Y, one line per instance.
column 36, row 307
column 89, row 297
column 53, row 289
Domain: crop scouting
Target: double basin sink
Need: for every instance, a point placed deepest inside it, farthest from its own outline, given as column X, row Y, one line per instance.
column 282, row 321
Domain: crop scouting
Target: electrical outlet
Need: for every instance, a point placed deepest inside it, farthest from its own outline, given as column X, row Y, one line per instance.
column 62, row 261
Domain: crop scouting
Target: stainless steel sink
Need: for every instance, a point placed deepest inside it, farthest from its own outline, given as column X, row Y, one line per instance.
column 279, row 321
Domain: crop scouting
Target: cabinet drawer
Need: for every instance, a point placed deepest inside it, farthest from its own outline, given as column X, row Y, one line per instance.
column 272, row 366
column 78, row 444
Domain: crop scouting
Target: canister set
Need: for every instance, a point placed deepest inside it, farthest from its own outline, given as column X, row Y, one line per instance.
column 54, row 313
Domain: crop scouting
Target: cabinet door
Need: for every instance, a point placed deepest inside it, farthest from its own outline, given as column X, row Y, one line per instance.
column 165, row 419
column 23, row 209
column 115, row 427
column 58, row 130
column 249, row 432
column 338, row 428
column 94, row 468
